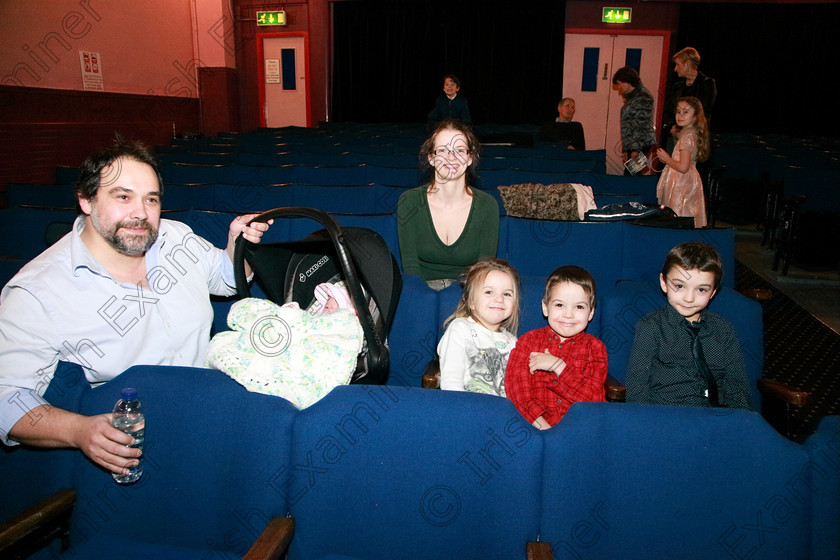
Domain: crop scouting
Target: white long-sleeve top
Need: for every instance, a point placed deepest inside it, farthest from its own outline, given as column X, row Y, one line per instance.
column 473, row 358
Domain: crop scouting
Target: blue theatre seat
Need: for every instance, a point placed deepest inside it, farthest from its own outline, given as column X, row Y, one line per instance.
column 244, row 198
column 326, row 175
column 240, row 174
column 643, row 187
column 523, row 163
column 590, row 163
column 181, row 196
column 680, row 482
column 414, row 333
column 645, row 249
column 393, row 176
column 452, row 490
column 210, row 483
column 490, row 179
column 537, row 247
column 193, row 173
column 355, row 199
column 383, row 224
column 630, row 300
column 30, row 474
column 26, row 231
column 59, row 195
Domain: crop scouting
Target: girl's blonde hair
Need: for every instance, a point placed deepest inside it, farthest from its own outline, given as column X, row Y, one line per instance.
column 701, row 127
column 473, row 278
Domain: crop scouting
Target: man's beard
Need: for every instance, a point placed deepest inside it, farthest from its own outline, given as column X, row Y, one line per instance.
column 127, row 244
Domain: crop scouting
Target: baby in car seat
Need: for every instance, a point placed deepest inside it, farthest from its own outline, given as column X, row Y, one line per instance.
column 328, row 298
column 298, row 354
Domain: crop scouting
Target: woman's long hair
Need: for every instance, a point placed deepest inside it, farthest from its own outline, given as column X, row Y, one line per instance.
column 428, row 149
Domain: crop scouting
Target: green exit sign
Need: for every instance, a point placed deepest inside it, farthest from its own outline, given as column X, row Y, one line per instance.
column 271, row 18
column 617, row 15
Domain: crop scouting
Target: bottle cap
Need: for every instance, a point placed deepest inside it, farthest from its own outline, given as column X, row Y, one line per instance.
column 128, row 394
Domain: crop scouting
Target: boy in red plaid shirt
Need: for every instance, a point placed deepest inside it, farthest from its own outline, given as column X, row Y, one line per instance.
column 551, row 368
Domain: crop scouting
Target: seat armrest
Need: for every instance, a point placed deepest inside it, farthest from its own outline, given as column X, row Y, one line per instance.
column 273, row 541
column 615, row 391
column 539, row 550
column 431, row 377
column 783, row 392
column 48, row 518
column 794, row 200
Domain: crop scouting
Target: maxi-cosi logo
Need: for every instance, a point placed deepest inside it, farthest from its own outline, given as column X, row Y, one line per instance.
column 161, row 280
column 314, row 268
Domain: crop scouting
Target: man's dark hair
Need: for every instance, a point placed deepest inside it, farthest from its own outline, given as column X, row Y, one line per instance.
column 90, row 172
column 629, row 75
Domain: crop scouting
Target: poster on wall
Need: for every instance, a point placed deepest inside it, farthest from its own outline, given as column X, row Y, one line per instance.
column 272, row 70
column 91, row 63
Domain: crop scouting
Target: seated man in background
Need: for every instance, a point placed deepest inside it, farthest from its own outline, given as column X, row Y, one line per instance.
column 123, row 288
column 562, row 129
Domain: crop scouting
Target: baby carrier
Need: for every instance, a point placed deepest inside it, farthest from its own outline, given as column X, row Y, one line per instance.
column 357, row 257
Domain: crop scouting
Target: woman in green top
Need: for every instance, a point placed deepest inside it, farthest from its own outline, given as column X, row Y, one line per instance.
column 446, row 226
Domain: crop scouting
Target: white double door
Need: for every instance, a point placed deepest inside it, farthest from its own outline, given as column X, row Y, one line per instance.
column 590, row 61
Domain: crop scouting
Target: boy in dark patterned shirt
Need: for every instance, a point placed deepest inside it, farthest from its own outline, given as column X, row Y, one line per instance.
column 682, row 353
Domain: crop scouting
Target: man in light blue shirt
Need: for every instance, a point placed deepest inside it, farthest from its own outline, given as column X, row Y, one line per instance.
column 123, row 288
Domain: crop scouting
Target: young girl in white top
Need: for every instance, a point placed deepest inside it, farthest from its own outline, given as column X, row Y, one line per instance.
column 480, row 334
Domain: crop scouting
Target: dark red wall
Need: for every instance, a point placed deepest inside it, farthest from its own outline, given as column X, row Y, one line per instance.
column 42, row 128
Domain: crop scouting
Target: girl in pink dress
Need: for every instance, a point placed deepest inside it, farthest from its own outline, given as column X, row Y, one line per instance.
column 680, row 187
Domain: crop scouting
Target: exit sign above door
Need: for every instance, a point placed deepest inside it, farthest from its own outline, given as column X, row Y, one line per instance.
column 271, row 18
column 617, row 15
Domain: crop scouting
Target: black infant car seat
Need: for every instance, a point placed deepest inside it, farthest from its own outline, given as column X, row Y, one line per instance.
column 359, row 257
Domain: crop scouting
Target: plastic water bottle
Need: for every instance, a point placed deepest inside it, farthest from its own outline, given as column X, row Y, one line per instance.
column 128, row 418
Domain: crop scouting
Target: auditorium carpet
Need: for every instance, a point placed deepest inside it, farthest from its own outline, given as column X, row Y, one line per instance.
column 800, row 351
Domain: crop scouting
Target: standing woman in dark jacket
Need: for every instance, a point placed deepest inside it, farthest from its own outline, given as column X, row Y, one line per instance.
column 690, row 82
column 637, row 131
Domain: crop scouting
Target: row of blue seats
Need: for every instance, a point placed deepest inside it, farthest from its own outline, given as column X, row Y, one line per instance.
column 418, row 322
column 759, row 158
column 594, row 160
column 360, row 189
column 353, row 199
column 819, row 187
column 487, row 177
column 363, row 134
column 461, row 475
column 612, row 250
column 334, row 144
column 369, row 173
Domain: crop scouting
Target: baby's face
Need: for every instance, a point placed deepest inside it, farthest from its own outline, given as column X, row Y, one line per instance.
column 330, row 305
